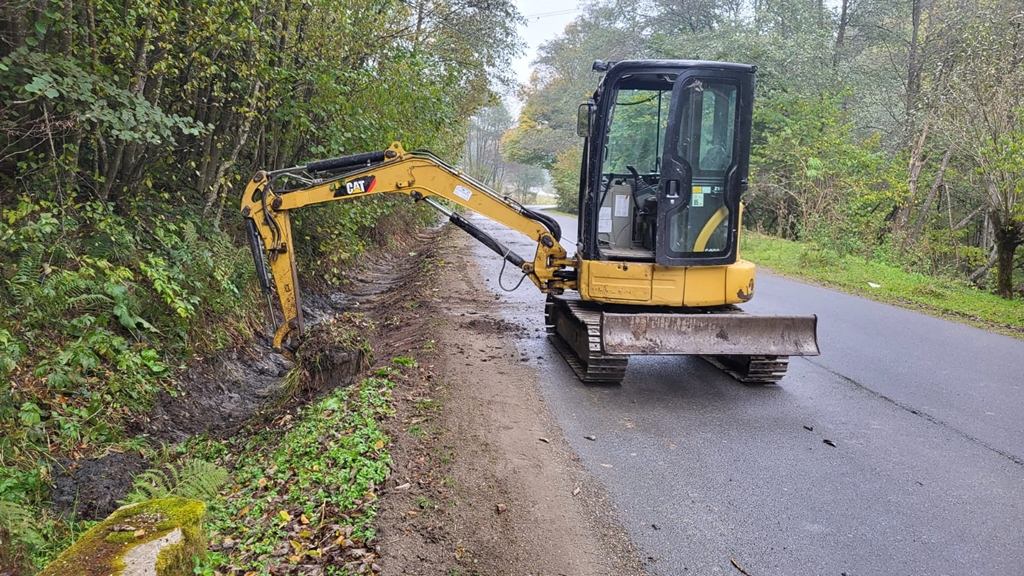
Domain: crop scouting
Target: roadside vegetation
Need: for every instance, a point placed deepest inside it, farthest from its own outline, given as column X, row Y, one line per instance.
column 888, row 130
column 303, row 489
column 127, row 132
column 879, row 280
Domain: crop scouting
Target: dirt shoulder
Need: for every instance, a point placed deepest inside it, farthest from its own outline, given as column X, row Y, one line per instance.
column 483, row 481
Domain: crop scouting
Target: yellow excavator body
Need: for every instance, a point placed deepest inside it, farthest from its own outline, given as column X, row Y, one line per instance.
column 657, row 267
column 654, row 285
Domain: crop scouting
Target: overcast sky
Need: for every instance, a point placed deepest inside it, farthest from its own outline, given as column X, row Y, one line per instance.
column 545, row 20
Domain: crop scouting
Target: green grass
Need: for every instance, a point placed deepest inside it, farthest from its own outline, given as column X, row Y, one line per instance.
column 944, row 297
column 298, row 491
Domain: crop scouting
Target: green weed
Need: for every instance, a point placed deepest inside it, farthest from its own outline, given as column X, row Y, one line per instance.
column 417, row 431
column 326, row 466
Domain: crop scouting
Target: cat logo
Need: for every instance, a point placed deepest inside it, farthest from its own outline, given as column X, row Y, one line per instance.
column 362, row 185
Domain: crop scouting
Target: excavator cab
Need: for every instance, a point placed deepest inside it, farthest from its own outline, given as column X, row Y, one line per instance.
column 665, row 162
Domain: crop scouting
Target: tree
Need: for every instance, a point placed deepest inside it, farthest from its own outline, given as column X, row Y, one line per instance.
column 980, row 88
column 482, row 154
column 522, row 181
column 563, row 78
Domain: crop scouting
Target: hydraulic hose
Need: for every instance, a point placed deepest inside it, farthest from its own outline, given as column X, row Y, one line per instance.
column 550, row 223
column 487, row 240
column 346, row 162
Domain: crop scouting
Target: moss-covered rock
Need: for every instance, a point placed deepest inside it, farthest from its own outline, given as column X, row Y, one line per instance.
column 154, row 538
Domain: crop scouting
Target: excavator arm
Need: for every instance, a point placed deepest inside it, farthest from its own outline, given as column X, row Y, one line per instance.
column 270, row 196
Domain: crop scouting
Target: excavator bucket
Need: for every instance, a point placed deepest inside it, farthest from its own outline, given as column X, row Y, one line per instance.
column 709, row 334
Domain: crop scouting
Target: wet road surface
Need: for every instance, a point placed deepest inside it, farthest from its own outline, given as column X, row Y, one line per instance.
column 923, row 471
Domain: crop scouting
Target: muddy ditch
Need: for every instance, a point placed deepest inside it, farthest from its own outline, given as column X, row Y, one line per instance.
column 219, row 395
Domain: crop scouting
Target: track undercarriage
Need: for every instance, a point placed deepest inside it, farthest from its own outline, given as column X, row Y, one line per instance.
column 597, row 340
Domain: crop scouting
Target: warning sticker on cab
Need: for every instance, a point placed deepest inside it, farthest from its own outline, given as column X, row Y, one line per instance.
column 463, row 192
column 698, row 196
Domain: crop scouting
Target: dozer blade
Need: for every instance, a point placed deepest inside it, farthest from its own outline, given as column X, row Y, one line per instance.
column 728, row 334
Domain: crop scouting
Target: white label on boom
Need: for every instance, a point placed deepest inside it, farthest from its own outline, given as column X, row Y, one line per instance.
column 463, row 192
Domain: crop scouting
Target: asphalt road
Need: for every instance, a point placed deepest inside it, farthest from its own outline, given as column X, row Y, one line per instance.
column 926, row 475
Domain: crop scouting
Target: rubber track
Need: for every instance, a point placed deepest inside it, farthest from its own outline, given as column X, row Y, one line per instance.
column 597, row 367
column 752, row 369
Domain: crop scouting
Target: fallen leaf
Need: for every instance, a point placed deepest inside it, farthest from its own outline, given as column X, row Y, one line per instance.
column 403, row 486
column 262, row 482
column 591, row 437
column 243, row 511
column 140, row 533
column 829, row 442
column 378, row 444
column 303, row 519
column 544, row 440
column 297, row 546
column 283, row 514
column 656, row 526
column 575, row 491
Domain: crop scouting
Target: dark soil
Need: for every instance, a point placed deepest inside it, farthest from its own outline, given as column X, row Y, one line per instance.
column 90, row 489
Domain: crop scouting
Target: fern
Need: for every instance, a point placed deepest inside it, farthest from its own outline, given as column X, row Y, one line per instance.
column 192, row 478
column 20, row 522
column 25, row 282
column 63, row 289
column 90, row 302
column 49, row 291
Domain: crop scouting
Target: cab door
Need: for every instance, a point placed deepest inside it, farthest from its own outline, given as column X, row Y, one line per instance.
column 704, row 167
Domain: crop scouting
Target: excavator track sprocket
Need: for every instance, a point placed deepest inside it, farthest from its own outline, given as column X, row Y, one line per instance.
column 575, row 331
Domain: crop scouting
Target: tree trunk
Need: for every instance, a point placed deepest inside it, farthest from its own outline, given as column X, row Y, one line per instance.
column 913, row 174
column 926, row 208
column 1008, row 237
column 844, row 20
column 913, row 66
column 139, row 74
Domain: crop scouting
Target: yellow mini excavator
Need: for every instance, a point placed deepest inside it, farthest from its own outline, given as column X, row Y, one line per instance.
column 656, row 268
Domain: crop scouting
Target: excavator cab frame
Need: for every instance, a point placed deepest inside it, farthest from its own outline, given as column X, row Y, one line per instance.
column 678, row 202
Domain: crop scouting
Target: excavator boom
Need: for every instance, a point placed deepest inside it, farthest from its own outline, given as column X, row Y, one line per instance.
column 270, row 196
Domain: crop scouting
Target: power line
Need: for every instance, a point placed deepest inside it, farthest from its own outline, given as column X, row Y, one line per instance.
column 540, row 15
